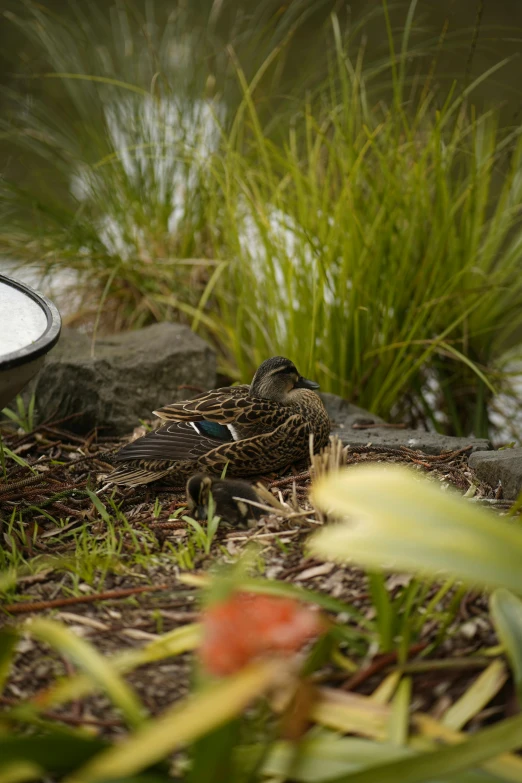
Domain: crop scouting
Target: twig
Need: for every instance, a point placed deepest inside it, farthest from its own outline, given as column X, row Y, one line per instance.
column 5, row 488
column 36, row 606
column 289, row 479
column 378, row 665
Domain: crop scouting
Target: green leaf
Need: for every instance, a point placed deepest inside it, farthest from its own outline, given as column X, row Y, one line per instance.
column 400, row 714
column 328, row 756
column 19, row 772
column 437, row 764
column 99, row 506
column 16, row 458
column 57, row 752
column 480, row 693
column 7, row 579
column 398, row 521
column 384, row 609
column 506, row 612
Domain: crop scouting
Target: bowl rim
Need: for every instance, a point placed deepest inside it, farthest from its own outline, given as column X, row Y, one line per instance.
column 46, row 340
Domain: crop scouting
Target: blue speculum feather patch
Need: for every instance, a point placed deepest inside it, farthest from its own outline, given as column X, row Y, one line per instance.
column 214, row 430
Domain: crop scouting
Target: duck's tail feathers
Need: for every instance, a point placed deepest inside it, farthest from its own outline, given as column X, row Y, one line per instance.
column 132, row 476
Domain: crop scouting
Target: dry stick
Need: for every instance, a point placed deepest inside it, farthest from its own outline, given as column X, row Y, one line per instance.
column 36, row 606
column 38, row 490
column 62, row 434
column 381, row 663
column 289, row 479
column 4, row 488
column 173, row 524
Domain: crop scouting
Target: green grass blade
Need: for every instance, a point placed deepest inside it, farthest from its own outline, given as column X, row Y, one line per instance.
column 99, row 506
column 506, row 612
column 480, row 693
column 8, row 640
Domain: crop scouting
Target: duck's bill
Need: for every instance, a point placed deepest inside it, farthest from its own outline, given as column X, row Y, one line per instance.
column 304, row 383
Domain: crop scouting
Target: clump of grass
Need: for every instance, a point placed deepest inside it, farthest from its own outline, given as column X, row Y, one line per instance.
column 22, row 413
column 379, row 246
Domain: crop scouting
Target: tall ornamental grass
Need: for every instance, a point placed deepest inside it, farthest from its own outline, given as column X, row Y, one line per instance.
column 379, row 245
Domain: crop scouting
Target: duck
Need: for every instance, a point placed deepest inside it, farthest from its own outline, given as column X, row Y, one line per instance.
column 229, row 497
column 250, row 429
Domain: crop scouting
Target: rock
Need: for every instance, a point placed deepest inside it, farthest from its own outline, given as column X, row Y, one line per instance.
column 344, row 415
column 130, row 375
column 500, row 466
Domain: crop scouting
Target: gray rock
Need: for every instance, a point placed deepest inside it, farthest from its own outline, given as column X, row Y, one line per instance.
column 344, row 415
column 500, row 466
column 130, row 375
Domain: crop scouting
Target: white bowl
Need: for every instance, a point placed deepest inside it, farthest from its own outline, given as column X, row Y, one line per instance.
column 30, row 325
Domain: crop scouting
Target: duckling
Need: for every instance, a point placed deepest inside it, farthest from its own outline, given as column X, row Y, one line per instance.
column 228, row 495
column 255, row 429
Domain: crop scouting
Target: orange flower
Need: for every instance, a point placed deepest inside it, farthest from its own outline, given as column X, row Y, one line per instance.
column 247, row 625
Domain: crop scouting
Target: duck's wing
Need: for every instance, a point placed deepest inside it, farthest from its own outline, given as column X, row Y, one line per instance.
column 234, row 406
column 177, row 441
column 154, row 455
column 196, row 408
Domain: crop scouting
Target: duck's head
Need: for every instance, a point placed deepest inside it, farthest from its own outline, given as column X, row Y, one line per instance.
column 198, row 490
column 278, row 379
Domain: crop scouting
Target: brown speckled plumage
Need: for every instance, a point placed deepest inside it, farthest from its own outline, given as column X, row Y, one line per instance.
column 256, row 428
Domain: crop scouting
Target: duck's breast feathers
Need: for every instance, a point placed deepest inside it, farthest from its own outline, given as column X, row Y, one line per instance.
column 176, row 441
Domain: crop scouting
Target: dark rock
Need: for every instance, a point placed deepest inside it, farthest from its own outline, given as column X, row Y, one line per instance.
column 500, row 466
column 130, row 375
column 344, row 415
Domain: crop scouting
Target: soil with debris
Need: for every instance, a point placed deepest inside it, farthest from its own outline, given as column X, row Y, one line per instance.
column 127, row 599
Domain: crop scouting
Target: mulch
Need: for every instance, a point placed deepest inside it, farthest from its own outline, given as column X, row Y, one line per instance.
column 136, row 598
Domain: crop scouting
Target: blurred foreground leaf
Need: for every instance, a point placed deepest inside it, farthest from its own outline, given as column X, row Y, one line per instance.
column 441, row 762
column 327, row 757
column 97, row 668
column 56, row 752
column 506, row 611
column 480, row 693
column 183, row 723
column 174, row 642
column 398, row 521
